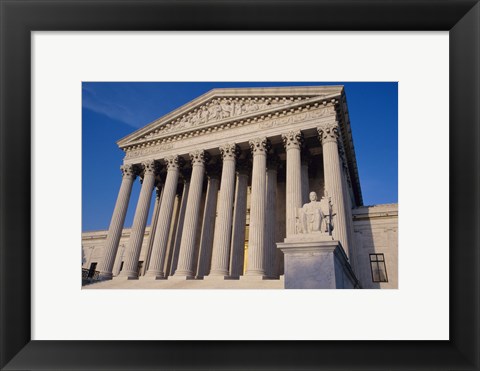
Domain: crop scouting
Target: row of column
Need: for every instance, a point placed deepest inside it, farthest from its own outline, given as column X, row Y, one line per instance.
column 225, row 252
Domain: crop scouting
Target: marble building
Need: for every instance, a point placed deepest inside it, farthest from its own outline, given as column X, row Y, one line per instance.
column 231, row 172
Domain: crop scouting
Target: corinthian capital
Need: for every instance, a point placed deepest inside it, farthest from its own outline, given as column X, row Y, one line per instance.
column 199, row 157
column 173, row 162
column 293, row 139
column 128, row 171
column 328, row 132
column 229, row 151
column 259, row 145
column 149, row 167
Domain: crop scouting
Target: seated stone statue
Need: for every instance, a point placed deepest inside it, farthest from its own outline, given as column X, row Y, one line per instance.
column 315, row 216
column 309, row 217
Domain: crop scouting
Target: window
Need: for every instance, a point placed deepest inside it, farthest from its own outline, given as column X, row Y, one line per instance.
column 379, row 271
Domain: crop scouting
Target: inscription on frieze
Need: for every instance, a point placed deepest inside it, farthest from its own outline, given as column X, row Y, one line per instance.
column 148, row 151
column 296, row 118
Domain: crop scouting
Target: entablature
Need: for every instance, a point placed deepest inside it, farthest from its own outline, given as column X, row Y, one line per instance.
column 224, row 115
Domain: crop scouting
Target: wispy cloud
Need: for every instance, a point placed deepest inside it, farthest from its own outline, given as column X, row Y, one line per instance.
column 105, row 104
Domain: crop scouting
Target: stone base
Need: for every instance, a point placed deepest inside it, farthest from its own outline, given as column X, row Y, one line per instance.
column 308, row 237
column 125, row 277
column 180, row 278
column 254, row 278
column 154, row 277
column 105, row 276
column 215, row 278
column 317, row 265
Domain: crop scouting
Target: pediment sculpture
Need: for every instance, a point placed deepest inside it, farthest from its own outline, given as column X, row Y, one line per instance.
column 219, row 109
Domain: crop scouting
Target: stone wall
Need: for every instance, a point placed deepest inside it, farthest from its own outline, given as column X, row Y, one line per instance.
column 376, row 232
column 93, row 248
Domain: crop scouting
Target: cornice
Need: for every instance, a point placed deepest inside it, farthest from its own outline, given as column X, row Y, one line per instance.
column 375, row 211
column 349, row 147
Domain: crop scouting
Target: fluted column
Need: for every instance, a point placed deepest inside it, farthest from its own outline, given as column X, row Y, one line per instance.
column 256, row 239
column 177, row 238
column 153, row 224
column 348, row 209
column 270, row 222
column 305, row 183
column 223, row 224
column 159, row 249
column 167, row 266
column 116, row 224
column 239, row 223
column 118, row 260
column 187, row 246
column 293, row 143
column 206, row 239
column 134, row 244
column 328, row 135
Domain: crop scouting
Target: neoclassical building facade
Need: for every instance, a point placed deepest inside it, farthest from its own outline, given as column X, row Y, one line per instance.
column 229, row 171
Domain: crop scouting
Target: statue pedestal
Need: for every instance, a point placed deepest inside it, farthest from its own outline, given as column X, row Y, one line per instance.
column 316, row 264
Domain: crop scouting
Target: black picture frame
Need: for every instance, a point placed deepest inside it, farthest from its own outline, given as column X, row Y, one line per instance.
column 20, row 17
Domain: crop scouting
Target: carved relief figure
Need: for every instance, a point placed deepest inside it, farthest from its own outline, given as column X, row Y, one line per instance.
column 214, row 112
column 227, row 109
column 217, row 110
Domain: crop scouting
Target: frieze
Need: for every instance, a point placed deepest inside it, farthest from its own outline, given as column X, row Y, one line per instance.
column 148, row 151
column 297, row 118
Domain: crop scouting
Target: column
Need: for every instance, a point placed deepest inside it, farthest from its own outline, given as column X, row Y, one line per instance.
column 348, row 209
column 118, row 260
column 223, row 224
column 187, row 246
column 134, row 245
column 239, row 223
column 256, row 238
column 206, row 239
column 171, row 234
column 153, row 224
column 159, row 249
column 270, row 222
column 293, row 142
column 305, row 183
column 177, row 238
column 116, row 224
column 328, row 135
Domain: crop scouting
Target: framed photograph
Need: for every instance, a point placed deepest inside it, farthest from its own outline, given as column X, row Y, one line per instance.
column 257, row 57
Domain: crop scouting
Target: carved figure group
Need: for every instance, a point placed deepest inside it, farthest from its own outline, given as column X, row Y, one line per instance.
column 218, row 110
column 315, row 216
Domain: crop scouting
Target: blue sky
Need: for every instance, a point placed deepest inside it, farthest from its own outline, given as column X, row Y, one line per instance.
column 112, row 110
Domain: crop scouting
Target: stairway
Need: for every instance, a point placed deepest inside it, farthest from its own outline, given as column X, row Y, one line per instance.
column 149, row 283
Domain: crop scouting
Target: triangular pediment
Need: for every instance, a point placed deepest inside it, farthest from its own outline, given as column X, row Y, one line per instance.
column 223, row 105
